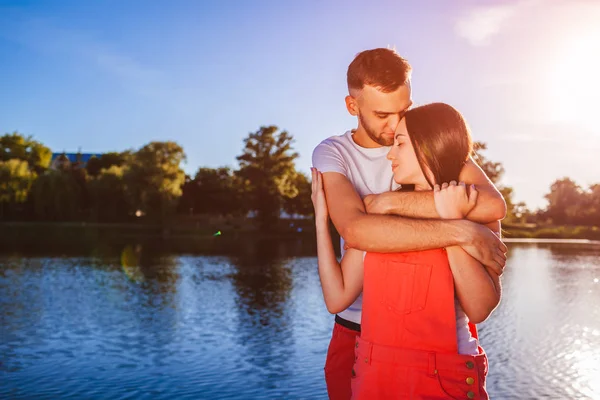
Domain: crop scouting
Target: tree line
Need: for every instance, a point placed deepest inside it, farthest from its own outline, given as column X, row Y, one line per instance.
column 149, row 183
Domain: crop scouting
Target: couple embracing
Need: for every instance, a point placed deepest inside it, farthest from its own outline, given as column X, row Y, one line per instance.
column 421, row 225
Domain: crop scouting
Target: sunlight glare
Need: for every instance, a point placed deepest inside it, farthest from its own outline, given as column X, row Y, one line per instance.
column 575, row 81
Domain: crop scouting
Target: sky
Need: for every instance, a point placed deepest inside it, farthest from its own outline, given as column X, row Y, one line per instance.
column 111, row 75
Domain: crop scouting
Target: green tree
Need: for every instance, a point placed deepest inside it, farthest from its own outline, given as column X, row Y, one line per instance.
column 212, row 191
column 17, row 146
column 108, row 198
column 107, row 160
column 267, row 166
column 16, row 180
column 521, row 213
column 495, row 171
column 594, row 205
column 299, row 203
column 56, row 196
column 565, row 202
column 154, row 178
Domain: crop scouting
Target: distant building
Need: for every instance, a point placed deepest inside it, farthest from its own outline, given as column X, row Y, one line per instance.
column 62, row 160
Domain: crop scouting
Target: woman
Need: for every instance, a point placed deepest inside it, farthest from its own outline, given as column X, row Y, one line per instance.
column 417, row 338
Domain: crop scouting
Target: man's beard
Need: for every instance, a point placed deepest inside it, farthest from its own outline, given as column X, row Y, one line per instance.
column 371, row 133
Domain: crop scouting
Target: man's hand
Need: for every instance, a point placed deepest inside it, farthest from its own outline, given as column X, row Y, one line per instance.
column 376, row 203
column 452, row 201
column 486, row 247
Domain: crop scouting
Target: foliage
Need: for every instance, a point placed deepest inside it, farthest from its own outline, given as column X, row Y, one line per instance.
column 267, row 166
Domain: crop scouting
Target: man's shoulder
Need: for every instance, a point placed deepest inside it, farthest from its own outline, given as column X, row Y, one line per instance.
column 335, row 141
column 328, row 156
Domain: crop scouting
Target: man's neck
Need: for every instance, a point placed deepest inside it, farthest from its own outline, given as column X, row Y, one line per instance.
column 361, row 138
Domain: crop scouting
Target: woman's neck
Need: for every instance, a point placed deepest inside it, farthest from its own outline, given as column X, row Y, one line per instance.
column 420, row 187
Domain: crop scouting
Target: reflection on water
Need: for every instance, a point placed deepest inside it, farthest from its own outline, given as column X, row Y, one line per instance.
column 145, row 320
column 541, row 340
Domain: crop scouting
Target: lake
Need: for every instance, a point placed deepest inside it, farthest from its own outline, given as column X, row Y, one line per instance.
column 247, row 321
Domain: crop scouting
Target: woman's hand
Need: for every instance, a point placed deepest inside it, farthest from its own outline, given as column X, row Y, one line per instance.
column 318, row 197
column 452, row 201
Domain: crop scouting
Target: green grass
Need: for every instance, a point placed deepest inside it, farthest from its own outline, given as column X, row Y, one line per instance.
column 552, row 232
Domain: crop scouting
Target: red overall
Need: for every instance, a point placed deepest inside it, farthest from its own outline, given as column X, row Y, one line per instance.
column 408, row 346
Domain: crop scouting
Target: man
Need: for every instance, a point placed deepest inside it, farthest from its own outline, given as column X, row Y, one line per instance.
column 355, row 167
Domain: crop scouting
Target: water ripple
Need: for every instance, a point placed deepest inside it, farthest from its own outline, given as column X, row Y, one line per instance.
column 192, row 327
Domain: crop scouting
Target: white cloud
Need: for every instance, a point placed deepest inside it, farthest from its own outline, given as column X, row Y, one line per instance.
column 480, row 24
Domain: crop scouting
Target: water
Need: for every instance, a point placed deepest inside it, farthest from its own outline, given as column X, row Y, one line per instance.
column 150, row 324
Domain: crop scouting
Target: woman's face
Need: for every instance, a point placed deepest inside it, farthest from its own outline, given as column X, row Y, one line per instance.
column 405, row 165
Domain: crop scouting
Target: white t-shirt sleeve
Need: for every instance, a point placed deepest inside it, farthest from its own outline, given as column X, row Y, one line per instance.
column 327, row 158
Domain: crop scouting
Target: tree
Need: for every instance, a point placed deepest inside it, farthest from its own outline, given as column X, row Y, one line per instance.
column 107, row 192
column 267, row 166
column 107, row 160
column 15, row 184
column 594, row 205
column 565, row 202
column 17, row 146
column 212, row 191
column 495, row 171
column 154, row 178
column 56, row 196
column 521, row 212
column 300, row 203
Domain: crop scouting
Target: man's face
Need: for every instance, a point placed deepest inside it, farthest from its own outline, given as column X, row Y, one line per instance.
column 379, row 113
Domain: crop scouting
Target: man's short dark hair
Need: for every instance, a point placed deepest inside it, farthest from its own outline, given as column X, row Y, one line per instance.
column 381, row 68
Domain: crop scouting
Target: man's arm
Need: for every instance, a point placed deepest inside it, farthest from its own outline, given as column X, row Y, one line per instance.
column 490, row 205
column 389, row 233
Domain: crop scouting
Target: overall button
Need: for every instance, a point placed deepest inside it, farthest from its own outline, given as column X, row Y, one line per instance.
column 470, row 395
column 470, row 381
column 470, row 364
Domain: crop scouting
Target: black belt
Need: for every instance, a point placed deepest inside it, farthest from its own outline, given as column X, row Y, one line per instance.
column 347, row 324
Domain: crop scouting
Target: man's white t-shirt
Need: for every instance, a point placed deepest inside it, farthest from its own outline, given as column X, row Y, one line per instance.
column 370, row 172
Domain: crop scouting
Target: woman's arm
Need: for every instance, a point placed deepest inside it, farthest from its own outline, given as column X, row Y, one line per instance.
column 478, row 288
column 341, row 284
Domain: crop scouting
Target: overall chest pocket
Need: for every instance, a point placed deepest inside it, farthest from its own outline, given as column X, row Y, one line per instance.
column 406, row 286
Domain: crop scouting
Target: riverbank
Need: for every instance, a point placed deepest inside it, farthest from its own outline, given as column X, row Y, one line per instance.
column 208, row 234
column 206, row 227
column 198, row 236
column 533, row 231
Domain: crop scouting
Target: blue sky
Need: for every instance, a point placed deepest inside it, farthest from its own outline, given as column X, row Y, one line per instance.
column 113, row 75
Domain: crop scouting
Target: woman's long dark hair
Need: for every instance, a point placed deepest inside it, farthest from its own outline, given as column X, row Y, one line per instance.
column 441, row 139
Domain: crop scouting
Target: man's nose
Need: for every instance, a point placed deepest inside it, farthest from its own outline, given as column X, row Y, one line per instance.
column 393, row 122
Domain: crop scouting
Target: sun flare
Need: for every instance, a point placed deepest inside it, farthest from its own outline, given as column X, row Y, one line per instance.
column 575, row 82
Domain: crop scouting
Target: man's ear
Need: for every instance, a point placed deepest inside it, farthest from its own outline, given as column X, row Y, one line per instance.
column 351, row 105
